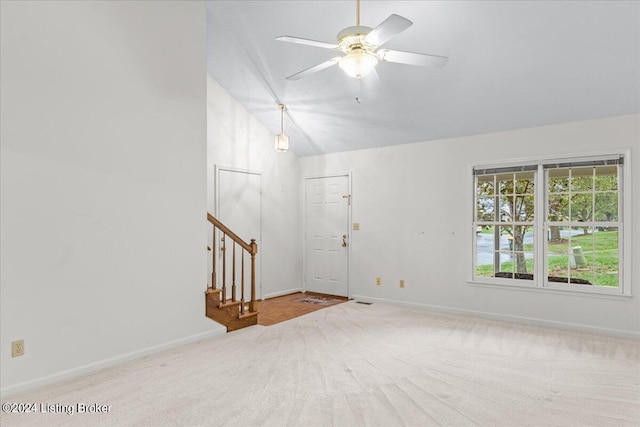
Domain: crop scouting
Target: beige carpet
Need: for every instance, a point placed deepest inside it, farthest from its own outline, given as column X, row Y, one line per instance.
column 357, row 365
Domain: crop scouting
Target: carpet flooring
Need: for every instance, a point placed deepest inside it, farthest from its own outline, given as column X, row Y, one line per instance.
column 364, row 365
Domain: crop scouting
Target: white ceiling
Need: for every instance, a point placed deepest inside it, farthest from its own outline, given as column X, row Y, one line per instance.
column 513, row 64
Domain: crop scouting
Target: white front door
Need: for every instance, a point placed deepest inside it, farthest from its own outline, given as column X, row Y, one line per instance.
column 327, row 235
column 239, row 207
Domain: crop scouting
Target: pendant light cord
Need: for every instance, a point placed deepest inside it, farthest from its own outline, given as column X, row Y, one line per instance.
column 358, row 12
column 282, row 118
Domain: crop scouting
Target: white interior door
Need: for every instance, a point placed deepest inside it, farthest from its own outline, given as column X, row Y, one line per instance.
column 327, row 235
column 239, row 207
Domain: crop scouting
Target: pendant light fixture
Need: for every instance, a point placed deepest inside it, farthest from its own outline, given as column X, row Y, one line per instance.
column 282, row 140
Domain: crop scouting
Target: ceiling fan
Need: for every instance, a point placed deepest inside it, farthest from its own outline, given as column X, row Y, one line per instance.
column 362, row 48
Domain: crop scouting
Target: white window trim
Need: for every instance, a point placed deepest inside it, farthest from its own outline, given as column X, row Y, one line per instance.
column 538, row 284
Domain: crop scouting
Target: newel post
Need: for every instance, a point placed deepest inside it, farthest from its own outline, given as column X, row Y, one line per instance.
column 254, row 251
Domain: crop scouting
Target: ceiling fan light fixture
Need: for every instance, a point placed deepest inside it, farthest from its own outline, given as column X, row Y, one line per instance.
column 352, row 36
column 358, row 63
column 282, row 140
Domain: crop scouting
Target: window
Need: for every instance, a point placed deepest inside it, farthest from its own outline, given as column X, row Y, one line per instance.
column 550, row 224
column 505, row 212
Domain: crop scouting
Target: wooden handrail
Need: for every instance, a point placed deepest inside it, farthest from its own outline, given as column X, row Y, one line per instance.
column 249, row 247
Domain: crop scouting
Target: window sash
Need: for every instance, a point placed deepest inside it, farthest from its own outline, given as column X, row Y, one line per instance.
column 498, row 222
column 592, row 223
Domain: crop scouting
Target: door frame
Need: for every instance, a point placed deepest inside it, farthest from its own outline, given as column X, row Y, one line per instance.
column 216, row 177
column 304, row 226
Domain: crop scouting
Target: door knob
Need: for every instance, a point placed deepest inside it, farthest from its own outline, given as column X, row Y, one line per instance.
column 344, row 240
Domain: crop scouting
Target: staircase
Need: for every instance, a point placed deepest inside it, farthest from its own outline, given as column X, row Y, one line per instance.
column 223, row 304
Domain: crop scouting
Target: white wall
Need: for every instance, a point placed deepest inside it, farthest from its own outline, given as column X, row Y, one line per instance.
column 103, row 183
column 413, row 203
column 236, row 139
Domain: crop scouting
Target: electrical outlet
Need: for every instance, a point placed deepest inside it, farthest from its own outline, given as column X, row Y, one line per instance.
column 17, row 348
column 356, row 226
column 402, row 283
column 378, row 281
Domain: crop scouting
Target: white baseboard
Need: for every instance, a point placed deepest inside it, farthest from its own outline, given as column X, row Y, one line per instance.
column 281, row 293
column 95, row 366
column 509, row 318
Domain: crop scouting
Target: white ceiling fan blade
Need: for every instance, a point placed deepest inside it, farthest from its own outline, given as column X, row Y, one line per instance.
column 388, row 29
column 308, row 42
column 419, row 59
column 315, row 68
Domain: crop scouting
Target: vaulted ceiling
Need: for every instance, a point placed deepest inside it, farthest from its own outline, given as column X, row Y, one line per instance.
column 512, row 64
